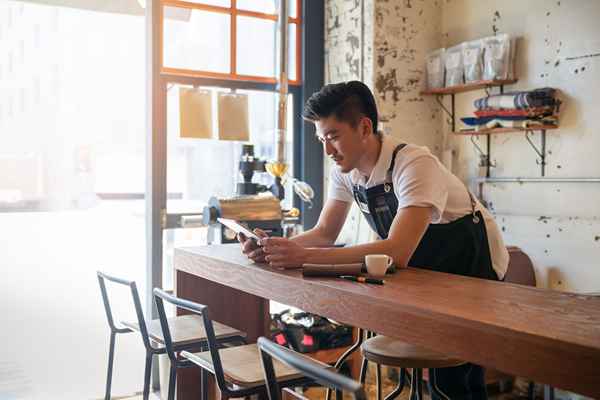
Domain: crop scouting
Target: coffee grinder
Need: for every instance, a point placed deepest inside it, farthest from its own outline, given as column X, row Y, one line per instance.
column 248, row 165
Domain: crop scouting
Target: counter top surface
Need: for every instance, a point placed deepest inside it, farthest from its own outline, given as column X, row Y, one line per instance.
column 546, row 335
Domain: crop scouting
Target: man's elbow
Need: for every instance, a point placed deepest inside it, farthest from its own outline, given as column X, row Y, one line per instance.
column 400, row 262
column 327, row 236
column 400, row 258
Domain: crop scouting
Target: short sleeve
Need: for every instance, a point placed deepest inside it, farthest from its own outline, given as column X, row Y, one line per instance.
column 339, row 189
column 421, row 182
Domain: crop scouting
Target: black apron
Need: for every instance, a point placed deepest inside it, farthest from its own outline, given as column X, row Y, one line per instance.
column 458, row 247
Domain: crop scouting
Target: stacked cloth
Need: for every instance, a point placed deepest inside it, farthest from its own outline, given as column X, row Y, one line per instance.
column 515, row 110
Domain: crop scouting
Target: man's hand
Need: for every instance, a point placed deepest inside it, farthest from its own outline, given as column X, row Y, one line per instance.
column 250, row 248
column 282, row 252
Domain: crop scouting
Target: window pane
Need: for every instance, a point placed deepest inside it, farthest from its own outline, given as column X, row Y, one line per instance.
column 263, row 6
column 292, row 52
column 197, row 40
column 266, row 6
column 292, row 8
column 222, row 3
column 198, row 169
column 256, row 46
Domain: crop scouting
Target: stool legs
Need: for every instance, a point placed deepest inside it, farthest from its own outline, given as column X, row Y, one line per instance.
column 401, row 382
column 378, row 380
column 363, row 370
column 347, row 353
column 111, row 356
column 416, row 385
column 433, row 385
column 548, row 392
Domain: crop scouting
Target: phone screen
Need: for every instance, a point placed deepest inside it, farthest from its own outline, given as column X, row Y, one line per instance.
column 238, row 228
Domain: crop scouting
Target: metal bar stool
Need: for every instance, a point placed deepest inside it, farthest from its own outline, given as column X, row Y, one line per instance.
column 382, row 350
column 237, row 369
column 307, row 367
column 189, row 332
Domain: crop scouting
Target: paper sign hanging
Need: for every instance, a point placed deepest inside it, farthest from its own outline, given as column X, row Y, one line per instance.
column 195, row 113
column 233, row 117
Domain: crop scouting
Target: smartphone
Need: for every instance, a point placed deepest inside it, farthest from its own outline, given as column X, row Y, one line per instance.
column 238, row 228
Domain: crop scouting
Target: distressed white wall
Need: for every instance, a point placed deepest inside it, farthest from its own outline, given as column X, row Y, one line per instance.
column 349, row 56
column 557, row 224
column 392, row 38
column 405, row 31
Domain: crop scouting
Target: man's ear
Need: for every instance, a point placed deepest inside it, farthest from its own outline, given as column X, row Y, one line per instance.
column 366, row 126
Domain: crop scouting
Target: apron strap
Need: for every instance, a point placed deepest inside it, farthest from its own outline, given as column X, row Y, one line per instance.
column 473, row 205
column 388, row 177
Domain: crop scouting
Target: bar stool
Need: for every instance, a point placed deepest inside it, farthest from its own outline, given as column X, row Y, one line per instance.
column 382, row 350
column 308, row 367
column 237, row 369
column 188, row 332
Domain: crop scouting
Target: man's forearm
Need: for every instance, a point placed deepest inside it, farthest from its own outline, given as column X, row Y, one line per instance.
column 313, row 238
column 356, row 254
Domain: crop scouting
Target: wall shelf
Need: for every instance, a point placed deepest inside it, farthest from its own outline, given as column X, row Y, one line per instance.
column 494, row 131
column 486, row 156
column 467, row 87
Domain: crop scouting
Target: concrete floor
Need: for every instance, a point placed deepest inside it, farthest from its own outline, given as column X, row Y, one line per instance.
column 518, row 392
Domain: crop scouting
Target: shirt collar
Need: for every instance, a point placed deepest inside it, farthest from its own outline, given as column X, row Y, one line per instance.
column 379, row 172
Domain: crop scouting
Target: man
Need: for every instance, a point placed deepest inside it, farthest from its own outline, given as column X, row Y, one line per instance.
column 423, row 214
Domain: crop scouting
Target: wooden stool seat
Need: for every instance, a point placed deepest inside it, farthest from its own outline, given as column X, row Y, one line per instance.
column 242, row 365
column 396, row 353
column 185, row 329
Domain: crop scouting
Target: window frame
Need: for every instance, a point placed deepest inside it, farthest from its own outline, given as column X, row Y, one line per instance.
column 310, row 78
column 233, row 13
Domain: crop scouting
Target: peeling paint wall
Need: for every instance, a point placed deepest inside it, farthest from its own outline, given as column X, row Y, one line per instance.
column 394, row 39
column 348, row 38
column 405, row 31
column 557, row 224
column 349, row 56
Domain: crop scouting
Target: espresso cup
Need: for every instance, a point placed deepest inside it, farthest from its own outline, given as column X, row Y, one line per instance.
column 377, row 264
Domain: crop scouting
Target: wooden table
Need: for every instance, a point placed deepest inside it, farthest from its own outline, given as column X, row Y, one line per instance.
column 543, row 335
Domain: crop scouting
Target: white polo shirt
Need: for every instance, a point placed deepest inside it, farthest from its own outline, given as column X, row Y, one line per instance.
column 421, row 180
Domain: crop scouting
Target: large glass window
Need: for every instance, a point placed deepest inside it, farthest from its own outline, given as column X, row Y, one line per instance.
column 72, row 179
column 217, row 44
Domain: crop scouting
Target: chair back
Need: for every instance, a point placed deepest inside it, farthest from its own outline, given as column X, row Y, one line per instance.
column 160, row 296
column 520, row 268
column 307, row 367
column 102, row 278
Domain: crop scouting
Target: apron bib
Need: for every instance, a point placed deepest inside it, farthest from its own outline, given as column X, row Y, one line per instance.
column 458, row 247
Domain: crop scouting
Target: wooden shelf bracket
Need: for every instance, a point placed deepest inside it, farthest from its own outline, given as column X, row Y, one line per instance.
column 485, row 159
column 541, row 152
column 451, row 114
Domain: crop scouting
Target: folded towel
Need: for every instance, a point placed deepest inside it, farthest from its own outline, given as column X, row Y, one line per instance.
column 472, row 121
column 534, row 112
column 519, row 100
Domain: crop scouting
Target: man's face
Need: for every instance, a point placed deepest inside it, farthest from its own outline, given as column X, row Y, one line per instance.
column 342, row 143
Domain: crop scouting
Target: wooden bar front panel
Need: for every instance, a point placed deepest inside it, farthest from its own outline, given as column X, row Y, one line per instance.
column 238, row 309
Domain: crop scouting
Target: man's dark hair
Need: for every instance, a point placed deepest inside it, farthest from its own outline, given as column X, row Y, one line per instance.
column 347, row 101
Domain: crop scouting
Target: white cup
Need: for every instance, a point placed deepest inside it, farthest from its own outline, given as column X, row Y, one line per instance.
column 377, row 264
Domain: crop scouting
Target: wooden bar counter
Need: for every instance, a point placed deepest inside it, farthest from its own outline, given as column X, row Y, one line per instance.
column 543, row 335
